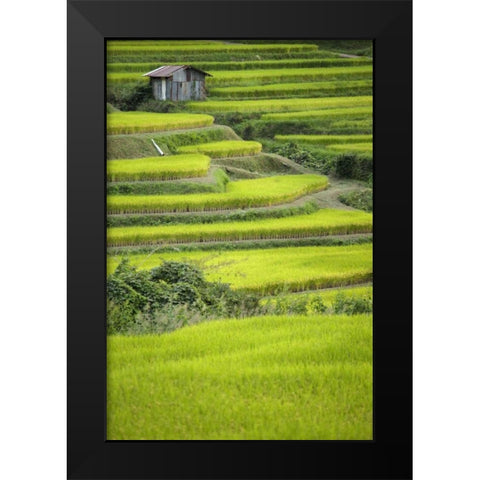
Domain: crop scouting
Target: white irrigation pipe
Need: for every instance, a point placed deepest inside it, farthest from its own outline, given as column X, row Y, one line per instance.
column 159, row 150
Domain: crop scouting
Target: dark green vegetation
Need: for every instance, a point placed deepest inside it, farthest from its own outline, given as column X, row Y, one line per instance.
column 363, row 199
column 239, row 274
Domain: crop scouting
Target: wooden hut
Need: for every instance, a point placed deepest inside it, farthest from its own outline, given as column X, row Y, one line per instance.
column 178, row 83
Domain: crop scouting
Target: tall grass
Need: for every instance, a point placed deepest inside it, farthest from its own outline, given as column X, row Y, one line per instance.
column 320, row 115
column 280, row 105
column 135, row 122
column 258, row 77
column 258, row 378
column 322, row 222
column 246, row 65
column 353, row 147
column 158, row 168
column 240, row 194
column 325, row 139
column 268, row 271
column 117, row 49
column 227, row 148
column 309, row 89
column 197, row 58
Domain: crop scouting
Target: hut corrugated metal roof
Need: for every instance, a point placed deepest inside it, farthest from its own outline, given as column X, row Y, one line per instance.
column 167, row 71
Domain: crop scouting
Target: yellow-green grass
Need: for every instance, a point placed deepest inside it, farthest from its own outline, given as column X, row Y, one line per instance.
column 262, row 76
column 241, row 194
column 143, row 67
column 320, row 115
column 136, row 122
column 191, row 49
column 226, row 148
column 257, row 378
column 270, row 270
column 353, row 147
column 281, row 105
column 322, row 222
column 160, row 43
column 277, row 75
column 158, row 168
column 325, row 139
column 295, row 89
column 126, row 77
column 328, row 296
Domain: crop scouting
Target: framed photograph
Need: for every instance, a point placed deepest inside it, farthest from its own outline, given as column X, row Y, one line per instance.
column 239, row 239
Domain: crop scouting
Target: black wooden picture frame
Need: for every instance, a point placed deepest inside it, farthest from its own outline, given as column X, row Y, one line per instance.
column 388, row 24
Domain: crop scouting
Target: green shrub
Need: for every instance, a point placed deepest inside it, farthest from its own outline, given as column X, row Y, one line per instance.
column 169, row 296
column 175, row 272
column 353, row 165
column 363, row 199
column 352, row 305
column 128, row 96
column 160, row 106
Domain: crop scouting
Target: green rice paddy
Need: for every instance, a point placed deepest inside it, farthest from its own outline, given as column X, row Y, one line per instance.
column 325, row 139
column 272, row 269
column 281, row 105
column 307, row 89
column 158, row 168
column 296, row 377
column 261, row 378
column 241, row 194
column 322, row 222
column 137, row 122
column 226, row 148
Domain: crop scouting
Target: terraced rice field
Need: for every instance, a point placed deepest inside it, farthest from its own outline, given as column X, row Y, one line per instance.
column 319, row 115
column 158, row 168
column 228, row 200
column 189, row 49
column 135, row 122
column 269, row 270
column 279, row 105
column 261, row 77
column 323, row 222
column 352, row 147
column 325, row 139
column 288, row 90
column 251, row 65
column 240, row 194
column 263, row 378
column 231, row 148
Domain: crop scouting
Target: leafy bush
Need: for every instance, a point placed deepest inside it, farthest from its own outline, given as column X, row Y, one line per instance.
column 352, row 305
column 128, row 96
column 175, row 272
column 354, row 165
column 160, row 106
column 363, row 199
column 170, row 296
